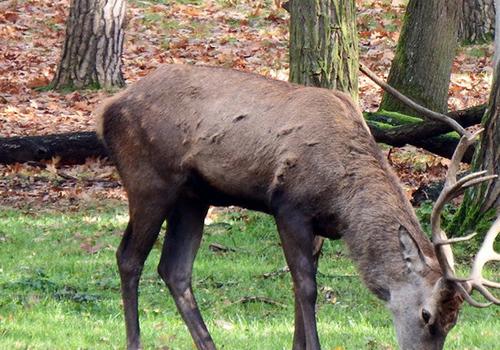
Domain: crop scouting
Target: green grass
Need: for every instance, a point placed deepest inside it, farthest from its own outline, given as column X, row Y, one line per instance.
column 59, row 289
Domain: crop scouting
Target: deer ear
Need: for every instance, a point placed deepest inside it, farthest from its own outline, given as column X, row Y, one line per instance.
column 410, row 251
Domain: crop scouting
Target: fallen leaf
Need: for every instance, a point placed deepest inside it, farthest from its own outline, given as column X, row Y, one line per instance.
column 38, row 82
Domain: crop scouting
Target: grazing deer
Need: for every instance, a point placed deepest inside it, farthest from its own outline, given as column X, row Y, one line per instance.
column 187, row 137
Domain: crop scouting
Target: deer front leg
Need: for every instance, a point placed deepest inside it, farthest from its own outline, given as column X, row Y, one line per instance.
column 299, row 339
column 185, row 229
column 297, row 240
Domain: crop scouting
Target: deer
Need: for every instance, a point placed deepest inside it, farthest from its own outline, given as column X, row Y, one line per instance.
column 187, row 137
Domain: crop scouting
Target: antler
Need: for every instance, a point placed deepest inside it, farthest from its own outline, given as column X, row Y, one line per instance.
column 453, row 188
column 486, row 253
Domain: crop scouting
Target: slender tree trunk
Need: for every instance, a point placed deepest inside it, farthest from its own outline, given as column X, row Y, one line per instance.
column 91, row 55
column 478, row 21
column 482, row 203
column 421, row 68
column 496, row 59
column 324, row 44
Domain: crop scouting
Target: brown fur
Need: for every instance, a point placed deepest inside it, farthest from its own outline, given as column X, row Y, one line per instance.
column 223, row 137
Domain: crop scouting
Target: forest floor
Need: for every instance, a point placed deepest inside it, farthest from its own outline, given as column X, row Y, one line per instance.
column 60, row 224
column 246, row 35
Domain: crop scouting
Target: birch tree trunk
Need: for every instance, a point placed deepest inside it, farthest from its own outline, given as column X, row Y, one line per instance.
column 91, row 55
column 324, row 44
column 478, row 21
column 422, row 64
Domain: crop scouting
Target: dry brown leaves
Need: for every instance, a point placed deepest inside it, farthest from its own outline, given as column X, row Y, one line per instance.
column 243, row 34
column 51, row 185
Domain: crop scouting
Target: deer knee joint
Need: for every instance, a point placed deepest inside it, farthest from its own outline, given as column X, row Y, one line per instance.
column 128, row 267
column 176, row 282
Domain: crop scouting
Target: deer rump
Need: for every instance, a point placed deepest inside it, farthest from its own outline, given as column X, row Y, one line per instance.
column 234, row 138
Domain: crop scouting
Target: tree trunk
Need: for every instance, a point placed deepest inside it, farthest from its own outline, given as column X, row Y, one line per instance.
column 421, row 68
column 91, row 55
column 324, row 44
column 482, row 203
column 478, row 21
column 496, row 59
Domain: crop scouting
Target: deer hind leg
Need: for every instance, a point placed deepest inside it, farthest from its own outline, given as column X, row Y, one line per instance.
column 185, row 229
column 297, row 240
column 148, row 210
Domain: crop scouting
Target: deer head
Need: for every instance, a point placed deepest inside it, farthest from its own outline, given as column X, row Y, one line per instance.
column 424, row 315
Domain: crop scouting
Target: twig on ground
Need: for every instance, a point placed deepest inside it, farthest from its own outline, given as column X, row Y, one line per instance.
column 281, row 271
column 257, row 299
column 216, row 247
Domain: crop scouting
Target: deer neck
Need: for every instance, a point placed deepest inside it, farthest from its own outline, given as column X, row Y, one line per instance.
column 373, row 220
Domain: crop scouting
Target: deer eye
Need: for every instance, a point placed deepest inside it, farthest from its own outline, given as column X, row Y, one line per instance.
column 426, row 316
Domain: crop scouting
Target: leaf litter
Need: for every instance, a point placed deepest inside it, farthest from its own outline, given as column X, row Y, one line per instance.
column 247, row 35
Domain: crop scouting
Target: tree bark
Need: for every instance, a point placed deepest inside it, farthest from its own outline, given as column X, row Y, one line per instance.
column 478, row 21
column 496, row 58
column 422, row 64
column 406, row 129
column 482, row 203
column 398, row 130
column 465, row 117
column 324, row 44
column 441, row 145
column 72, row 148
column 91, row 55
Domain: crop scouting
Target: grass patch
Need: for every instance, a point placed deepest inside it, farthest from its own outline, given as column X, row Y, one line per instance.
column 59, row 289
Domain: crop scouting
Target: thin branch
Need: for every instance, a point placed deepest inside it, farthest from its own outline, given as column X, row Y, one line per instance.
column 283, row 270
column 422, row 110
column 257, row 299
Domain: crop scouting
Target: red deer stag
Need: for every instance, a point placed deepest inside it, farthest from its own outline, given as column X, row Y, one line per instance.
column 187, row 137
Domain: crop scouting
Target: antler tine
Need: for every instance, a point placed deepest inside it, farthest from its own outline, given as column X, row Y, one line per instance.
column 465, row 142
column 452, row 188
column 487, row 294
column 470, row 179
column 469, row 299
column 456, row 188
column 456, row 239
column 488, row 283
column 486, row 253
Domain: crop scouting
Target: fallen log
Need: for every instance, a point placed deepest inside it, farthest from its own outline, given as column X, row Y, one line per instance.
column 398, row 130
column 72, row 148
column 409, row 128
column 442, row 145
column 75, row 148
